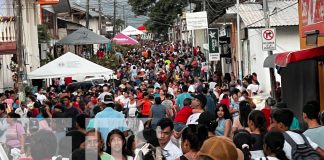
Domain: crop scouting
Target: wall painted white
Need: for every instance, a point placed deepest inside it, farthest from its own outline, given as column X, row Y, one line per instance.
column 30, row 16
column 287, row 39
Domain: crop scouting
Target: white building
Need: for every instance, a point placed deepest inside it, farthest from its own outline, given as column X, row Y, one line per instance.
column 284, row 18
column 30, row 16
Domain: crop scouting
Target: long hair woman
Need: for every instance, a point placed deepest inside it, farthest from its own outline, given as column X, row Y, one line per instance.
column 116, row 145
column 224, row 120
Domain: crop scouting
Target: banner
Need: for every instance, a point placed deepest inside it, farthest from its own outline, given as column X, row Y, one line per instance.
column 213, row 44
column 312, row 15
column 45, row 2
column 196, row 20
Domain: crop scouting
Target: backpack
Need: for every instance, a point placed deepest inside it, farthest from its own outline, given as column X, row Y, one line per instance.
column 301, row 151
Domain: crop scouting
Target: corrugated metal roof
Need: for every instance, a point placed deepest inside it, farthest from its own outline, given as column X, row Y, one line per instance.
column 80, row 8
column 282, row 13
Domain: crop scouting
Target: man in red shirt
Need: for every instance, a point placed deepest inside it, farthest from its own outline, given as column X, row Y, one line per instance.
column 182, row 116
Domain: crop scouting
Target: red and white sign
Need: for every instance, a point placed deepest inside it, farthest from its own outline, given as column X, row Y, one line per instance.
column 312, row 15
column 268, row 39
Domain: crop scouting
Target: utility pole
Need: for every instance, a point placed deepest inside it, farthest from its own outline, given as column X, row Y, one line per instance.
column 20, row 54
column 114, row 29
column 238, row 47
column 267, row 25
column 124, row 17
column 99, row 24
column 206, row 41
column 87, row 15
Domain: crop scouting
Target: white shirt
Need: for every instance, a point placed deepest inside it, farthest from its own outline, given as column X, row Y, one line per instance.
column 40, row 97
column 22, row 112
column 212, row 85
column 269, row 158
column 253, row 88
column 298, row 140
column 193, row 119
column 171, row 151
column 192, row 88
column 102, row 95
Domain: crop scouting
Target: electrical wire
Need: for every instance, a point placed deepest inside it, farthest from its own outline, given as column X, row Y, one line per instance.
column 272, row 14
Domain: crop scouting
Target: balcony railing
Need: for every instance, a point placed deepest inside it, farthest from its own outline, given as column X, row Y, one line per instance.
column 7, row 35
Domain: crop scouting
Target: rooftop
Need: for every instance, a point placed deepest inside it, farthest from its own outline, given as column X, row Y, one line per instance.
column 282, row 13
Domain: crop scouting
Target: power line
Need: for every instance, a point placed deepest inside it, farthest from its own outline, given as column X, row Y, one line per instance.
column 272, row 14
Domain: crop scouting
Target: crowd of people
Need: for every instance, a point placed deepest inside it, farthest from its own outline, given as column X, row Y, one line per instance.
column 162, row 106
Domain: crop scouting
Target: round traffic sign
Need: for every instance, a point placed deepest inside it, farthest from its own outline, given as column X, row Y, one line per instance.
column 268, row 35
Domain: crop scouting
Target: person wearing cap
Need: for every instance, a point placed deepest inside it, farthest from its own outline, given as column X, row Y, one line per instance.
column 105, row 92
column 218, row 148
column 108, row 114
column 208, row 119
column 198, row 104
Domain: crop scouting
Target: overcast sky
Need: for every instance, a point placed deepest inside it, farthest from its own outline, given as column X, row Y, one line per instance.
column 108, row 9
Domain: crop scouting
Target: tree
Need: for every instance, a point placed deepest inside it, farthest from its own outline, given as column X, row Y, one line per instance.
column 141, row 7
column 162, row 13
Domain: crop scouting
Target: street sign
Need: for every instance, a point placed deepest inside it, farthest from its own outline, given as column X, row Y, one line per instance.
column 214, row 56
column 213, row 40
column 196, row 20
column 213, row 44
column 222, row 32
column 268, row 39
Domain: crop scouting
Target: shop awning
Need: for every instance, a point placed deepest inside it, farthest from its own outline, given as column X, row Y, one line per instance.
column 285, row 58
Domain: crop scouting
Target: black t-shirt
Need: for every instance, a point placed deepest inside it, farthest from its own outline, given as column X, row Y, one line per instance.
column 71, row 112
column 258, row 145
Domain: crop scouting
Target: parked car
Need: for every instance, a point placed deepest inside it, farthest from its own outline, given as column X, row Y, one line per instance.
column 85, row 86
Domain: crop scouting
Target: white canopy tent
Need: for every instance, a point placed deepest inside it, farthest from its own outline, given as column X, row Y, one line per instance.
column 131, row 31
column 69, row 65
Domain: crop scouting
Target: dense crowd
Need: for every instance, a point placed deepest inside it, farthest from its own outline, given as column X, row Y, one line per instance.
column 165, row 104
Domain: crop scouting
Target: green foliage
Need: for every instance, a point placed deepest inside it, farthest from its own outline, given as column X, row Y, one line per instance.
column 141, row 7
column 110, row 60
column 43, row 36
column 49, row 58
column 123, row 48
column 162, row 13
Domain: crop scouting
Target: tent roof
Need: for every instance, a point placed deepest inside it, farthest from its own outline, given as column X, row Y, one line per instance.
column 142, row 28
column 69, row 65
column 83, row 36
column 131, row 31
column 120, row 38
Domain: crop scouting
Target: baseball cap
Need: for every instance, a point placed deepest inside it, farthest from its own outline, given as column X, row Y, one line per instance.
column 107, row 99
column 219, row 148
column 208, row 119
column 202, row 98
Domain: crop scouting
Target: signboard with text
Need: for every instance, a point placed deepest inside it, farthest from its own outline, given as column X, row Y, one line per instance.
column 196, row 20
column 268, row 39
column 312, row 16
column 213, row 44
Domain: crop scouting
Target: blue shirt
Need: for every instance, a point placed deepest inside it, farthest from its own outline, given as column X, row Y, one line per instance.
column 181, row 97
column 108, row 120
column 220, row 128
